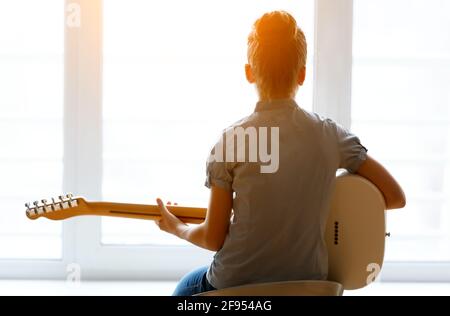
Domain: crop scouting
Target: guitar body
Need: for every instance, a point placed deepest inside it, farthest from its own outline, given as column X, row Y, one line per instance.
column 355, row 232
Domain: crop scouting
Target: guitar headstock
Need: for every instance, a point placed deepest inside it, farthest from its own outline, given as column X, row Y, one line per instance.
column 62, row 207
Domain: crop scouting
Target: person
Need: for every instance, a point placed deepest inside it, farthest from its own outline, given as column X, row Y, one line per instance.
column 268, row 226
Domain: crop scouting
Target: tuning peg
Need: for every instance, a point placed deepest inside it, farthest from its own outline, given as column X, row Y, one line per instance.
column 44, row 202
column 65, row 203
column 36, row 207
column 28, row 211
column 54, row 203
column 71, row 201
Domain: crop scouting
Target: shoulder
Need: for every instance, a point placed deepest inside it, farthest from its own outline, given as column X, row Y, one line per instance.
column 222, row 137
column 249, row 120
column 318, row 122
column 316, row 118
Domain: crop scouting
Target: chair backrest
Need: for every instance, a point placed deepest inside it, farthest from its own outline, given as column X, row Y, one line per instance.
column 287, row 288
column 356, row 232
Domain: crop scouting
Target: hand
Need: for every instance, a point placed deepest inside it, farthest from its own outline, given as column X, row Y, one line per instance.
column 169, row 222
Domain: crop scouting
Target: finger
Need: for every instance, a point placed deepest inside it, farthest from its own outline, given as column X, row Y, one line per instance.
column 165, row 213
column 159, row 202
column 162, row 207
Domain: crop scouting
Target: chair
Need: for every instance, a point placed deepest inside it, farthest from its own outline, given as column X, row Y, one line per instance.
column 287, row 288
column 355, row 237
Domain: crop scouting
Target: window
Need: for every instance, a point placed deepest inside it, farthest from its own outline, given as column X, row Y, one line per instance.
column 31, row 99
column 148, row 87
column 401, row 111
column 173, row 79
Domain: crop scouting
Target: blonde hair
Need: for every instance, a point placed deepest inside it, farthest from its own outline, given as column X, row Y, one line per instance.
column 276, row 53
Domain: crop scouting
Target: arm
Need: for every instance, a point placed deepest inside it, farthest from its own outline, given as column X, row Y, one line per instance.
column 383, row 180
column 212, row 232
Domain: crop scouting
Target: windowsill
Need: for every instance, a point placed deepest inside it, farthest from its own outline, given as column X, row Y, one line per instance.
column 150, row 288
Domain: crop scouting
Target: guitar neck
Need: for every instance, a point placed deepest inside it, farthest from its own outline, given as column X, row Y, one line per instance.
column 192, row 215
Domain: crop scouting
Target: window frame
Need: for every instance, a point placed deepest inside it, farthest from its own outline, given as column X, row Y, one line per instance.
column 83, row 156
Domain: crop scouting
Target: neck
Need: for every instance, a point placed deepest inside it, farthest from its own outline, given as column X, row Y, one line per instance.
column 266, row 98
column 269, row 99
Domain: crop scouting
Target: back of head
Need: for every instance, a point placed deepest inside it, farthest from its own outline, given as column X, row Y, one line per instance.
column 276, row 54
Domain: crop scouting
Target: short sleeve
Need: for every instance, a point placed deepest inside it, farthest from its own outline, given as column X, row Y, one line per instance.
column 217, row 173
column 351, row 153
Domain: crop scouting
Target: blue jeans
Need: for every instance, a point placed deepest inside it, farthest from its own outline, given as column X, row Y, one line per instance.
column 193, row 283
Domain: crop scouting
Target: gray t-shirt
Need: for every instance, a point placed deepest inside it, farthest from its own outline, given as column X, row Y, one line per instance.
column 277, row 228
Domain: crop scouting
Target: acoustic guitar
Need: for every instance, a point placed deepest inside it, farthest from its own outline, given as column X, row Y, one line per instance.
column 355, row 232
